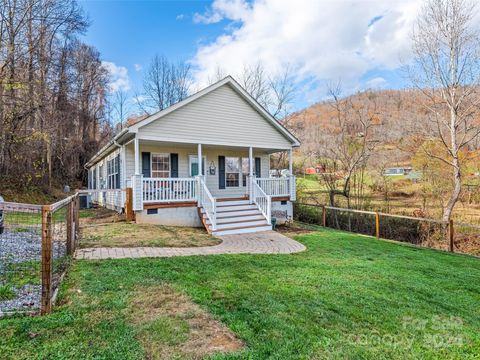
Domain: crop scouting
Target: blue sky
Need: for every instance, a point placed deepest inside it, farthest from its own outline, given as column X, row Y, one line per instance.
column 360, row 43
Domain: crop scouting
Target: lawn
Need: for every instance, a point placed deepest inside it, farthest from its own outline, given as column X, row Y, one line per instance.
column 123, row 234
column 347, row 296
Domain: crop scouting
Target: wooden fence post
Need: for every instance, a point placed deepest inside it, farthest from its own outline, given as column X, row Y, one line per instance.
column 129, row 204
column 377, row 225
column 451, row 235
column 76, row 218
column 324, row 216
column 70, row 228
column 47, row 266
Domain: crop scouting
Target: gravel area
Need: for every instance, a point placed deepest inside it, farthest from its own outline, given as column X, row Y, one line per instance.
column 19, row 245
column 28, row 298
column 25, row 245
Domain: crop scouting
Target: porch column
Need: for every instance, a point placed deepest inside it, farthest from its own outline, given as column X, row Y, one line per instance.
column 137, row 181
column 137, row 156
column 290, row 162
column 200, row 162
column 250, row 174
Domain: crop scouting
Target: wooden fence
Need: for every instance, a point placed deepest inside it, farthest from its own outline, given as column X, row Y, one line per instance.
column 426, row 232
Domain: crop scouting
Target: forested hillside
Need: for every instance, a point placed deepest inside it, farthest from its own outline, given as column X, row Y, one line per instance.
column 52, row 94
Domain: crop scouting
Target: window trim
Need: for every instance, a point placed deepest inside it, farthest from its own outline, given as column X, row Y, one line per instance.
column 190, row 158
column 239, row 172
column 169, row 165
column 111, row 164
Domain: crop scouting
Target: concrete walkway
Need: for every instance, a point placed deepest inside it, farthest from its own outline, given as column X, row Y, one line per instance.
column 266, row 242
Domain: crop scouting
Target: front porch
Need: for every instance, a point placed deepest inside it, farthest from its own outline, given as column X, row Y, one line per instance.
column 169, row 175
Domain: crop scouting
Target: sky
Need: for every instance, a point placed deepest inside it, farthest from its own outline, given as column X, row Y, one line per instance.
column 360, row 43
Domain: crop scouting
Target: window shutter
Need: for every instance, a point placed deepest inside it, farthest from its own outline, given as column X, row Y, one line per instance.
column 146, row 164
column 258, row 167
column 174, row 165
column 117, row 177
column 221, row 172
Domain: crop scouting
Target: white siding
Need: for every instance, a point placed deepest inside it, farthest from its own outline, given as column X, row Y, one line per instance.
column 219, row 117
column 211, row 154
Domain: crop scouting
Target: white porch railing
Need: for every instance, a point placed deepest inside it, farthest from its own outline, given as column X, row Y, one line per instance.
column 262, row 200
column 168, row 190
column 208, row 202
column 109, row 198
column 283, row 186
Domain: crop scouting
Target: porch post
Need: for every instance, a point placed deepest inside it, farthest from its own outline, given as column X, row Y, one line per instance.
column 290, row 162
column 292, row 181
column 200, row 162
column 137, row 156
column 250, row 174
column 137, row 179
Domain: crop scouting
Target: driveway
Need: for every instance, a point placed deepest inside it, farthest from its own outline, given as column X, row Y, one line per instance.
column 265, row 242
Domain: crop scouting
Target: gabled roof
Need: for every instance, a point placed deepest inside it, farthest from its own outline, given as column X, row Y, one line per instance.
column 238, row 89
column 132, row 129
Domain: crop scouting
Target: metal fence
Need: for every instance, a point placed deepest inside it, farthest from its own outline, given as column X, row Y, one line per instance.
column 431, row 233
column 36, row 246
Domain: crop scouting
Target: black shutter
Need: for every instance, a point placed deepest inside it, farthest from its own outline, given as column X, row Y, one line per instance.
column 146, row 164
column 221, row 172
column 258, row 167
column 117, row 177
column 174, row 165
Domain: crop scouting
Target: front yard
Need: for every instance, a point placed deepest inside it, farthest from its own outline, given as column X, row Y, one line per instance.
column 347, row 296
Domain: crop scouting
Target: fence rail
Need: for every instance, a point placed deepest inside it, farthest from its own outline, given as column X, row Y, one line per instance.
column 427, row 232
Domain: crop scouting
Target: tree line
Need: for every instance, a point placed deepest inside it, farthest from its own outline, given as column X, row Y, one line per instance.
column 53, row 92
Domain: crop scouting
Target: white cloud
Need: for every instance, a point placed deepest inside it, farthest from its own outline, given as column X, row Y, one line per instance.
column 137, row 67
column 119, row 79
column 322, row 41
column 376, row 83
column 180, row 17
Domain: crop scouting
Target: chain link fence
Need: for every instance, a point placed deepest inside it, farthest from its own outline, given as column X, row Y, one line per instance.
column 431, row 233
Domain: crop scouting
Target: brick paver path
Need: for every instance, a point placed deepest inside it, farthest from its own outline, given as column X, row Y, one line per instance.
column 265, row 242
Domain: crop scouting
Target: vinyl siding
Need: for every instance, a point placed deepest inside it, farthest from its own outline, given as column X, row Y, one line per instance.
column 219, row 117
column 211, row 154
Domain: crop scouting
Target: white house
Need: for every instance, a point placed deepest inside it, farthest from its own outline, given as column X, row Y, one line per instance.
column 229, row 191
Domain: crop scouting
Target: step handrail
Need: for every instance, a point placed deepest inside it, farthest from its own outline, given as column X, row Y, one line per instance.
column 207, row 202
column 262, row 200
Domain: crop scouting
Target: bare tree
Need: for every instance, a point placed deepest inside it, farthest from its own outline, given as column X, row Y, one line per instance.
column 120, row 106
column 446, row 69
column 165, row 84
column 346, row 147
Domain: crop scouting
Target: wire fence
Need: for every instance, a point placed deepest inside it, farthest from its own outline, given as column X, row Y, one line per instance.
column 431, row 233
column 36, row 245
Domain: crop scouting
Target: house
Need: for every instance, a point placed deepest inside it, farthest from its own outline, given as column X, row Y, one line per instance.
column 229, row 191
column 397, row 171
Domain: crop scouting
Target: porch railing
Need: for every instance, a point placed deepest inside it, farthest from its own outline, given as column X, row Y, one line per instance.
column 168, row 190
column 277, row 186
column 262, row 200
column 208, row 202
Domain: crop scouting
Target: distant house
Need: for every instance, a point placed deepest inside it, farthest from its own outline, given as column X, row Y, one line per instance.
column 310, row 171
column 204, row 161
column 396, row 171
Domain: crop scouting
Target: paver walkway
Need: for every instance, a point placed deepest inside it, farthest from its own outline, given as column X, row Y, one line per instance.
column 265, row 242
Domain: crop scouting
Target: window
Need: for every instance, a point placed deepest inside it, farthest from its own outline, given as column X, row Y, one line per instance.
column 113, row 176
column 101, row 179
column 245, row 170
column 232, row 171
column 193, row 159
column 160, row 165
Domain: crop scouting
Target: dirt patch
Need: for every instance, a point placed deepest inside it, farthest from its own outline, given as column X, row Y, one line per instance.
column 169, row 325
column 99, row 215
column 293, row 230
column 124, row 234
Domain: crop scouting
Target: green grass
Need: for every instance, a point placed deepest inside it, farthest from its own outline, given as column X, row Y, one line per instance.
column 6, row 293
column 347, row 296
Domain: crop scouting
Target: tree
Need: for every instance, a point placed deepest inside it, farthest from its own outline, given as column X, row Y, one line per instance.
column 446, row 69
column 165, row 83
column 345, row 148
